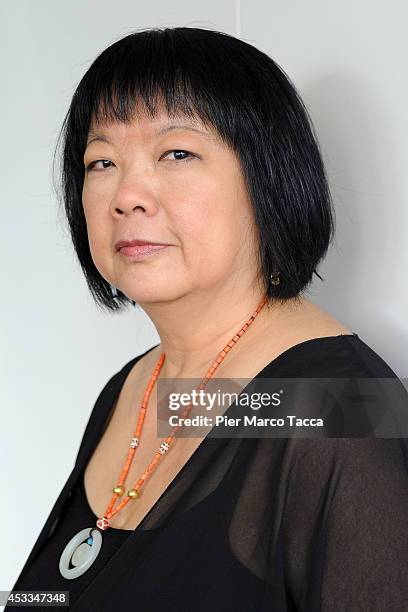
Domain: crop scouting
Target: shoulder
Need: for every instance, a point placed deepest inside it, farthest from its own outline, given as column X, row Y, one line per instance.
column 339, row 355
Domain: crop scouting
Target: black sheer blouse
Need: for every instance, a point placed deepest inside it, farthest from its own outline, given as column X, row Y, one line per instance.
column 250, row 524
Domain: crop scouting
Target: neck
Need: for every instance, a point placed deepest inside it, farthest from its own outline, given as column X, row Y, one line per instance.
column 194, row 328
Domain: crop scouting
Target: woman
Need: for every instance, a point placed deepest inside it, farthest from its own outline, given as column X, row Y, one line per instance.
column 194, row 187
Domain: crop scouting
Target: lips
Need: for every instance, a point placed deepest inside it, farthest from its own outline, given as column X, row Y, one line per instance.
column 132, row 243
column 137, row 250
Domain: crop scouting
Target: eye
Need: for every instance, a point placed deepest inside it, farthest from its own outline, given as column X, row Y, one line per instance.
column 190, row 156
column 177, row 151
column 91, row 166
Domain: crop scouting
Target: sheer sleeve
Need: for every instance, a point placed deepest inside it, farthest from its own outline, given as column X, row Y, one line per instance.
column 345, row 528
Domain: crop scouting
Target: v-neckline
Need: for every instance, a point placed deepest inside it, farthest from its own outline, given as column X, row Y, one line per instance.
column 128, row 545
column 196, row 452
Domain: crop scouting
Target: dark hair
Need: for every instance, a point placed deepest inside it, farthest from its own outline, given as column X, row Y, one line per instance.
column 253, row 106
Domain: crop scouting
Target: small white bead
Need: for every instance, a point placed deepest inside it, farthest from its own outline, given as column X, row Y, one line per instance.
column 164, row 447
column 134, row 442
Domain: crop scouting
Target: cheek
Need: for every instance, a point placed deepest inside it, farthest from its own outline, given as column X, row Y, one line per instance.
column 200, row 216
column 92, row 227
column 98, row 235
column 209, row 231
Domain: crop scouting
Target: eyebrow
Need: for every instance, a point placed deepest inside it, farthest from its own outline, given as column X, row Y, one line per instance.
column 94, row 135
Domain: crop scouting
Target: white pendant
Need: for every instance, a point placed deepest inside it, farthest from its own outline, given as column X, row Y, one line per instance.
column 81, row 551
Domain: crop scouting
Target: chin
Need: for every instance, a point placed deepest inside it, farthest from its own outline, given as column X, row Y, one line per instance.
column 155, row 294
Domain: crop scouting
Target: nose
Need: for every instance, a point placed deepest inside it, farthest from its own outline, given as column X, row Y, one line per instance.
column 131, row 197
column 122, row 209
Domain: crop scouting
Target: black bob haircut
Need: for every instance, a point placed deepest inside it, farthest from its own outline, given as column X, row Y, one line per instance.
column 251, row 103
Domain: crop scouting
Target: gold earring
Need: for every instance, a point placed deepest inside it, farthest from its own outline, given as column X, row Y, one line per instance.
column 275, row 280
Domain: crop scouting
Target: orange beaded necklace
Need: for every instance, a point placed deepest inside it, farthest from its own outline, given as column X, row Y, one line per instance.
column 82, row 550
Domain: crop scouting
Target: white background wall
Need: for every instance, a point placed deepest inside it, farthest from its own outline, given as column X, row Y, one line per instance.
column 348, row 59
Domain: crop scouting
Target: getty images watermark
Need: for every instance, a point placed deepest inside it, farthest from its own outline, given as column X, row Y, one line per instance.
column 283, row 407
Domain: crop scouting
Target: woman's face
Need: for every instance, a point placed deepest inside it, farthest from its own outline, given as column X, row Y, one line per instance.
column 171, row 185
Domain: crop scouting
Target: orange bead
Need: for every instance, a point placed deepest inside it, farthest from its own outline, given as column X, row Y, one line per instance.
column 134, row 492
